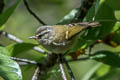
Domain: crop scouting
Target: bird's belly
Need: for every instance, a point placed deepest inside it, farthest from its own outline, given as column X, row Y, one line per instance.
column 57, row 49
column 60, row 49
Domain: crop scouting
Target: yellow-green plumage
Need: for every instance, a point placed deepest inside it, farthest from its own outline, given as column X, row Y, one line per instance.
column 60, row 38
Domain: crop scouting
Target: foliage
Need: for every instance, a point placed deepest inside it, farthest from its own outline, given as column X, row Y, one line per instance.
column 5, row 15
column 107, row 12
column 9, row 69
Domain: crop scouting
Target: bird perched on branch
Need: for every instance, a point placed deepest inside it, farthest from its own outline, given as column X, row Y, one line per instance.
column 60, row 38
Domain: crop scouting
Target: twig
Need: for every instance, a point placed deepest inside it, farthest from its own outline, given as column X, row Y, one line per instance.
column 36, row 74
column 52, row 58
column 80, row 59
column 11, row 37
column 62, row 71
column 24, row 60
column 39, row 50
column 69, row 69
column 85, row 5
column 45, row 66
column 61, row 68
column 49, row 62
column 32, row 13
column 22, row 63
column 14, row 38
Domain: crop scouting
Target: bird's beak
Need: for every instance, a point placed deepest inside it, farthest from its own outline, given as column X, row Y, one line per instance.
column 33, row 37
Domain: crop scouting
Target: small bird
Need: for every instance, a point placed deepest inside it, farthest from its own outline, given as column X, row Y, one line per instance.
column 61, row 38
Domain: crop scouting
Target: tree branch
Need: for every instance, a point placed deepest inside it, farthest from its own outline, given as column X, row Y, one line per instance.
column 61, row 67
column 14, row 38
column 32, row 13
column 45, row 66
column 84, row 8
column 80, row 59
column 62, row 71
column 69, row 69
column 36, row 74
column 24, row 60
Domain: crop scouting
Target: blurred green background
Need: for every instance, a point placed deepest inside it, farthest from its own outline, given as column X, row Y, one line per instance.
column 23, row 25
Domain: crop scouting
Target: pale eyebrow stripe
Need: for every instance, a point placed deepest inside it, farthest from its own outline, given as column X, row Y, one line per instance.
column 43, row 32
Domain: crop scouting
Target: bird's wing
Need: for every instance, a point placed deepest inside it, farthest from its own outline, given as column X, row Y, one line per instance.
column 76, row 28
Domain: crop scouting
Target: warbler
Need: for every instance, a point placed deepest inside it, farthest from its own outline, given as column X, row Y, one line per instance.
column 61, row 38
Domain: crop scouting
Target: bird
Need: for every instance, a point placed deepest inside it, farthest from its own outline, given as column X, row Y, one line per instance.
column 60, row 38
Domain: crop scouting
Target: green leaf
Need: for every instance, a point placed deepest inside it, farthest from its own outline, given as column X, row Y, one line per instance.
column 17, row 48
column 5, row 15
column 106, row 26
column 4, row 51
column 29, row 70
column 106, row 20
column 2, row 27
column 97, row 6
column 106, row 72
column 91, row 72
column 103, row 70
column 52, row 72
column 9, row 69
column 107, row 57
column 114, row 4
column 69, row 17
column 89, row 36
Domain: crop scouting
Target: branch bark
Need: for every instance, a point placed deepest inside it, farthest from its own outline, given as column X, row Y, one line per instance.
column 84, row 8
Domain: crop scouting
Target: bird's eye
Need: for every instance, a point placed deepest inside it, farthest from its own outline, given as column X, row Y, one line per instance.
column 39, row 35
